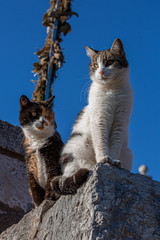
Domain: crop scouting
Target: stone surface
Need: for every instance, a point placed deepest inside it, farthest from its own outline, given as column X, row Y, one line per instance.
column 9, row 216
column 15, row 199
column 14, row 183
column 11, row 140
column 113, row 204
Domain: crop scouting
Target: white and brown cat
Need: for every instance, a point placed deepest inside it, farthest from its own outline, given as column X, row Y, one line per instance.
column 43, row 146
column 100, row 133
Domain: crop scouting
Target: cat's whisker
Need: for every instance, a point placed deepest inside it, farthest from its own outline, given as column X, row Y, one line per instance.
column 19, row 134
column 85, row 77
column 19, row 130
column 86, row 91
column 87, row 84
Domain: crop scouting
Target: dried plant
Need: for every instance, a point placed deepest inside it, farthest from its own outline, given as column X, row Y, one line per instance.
column 63, row 13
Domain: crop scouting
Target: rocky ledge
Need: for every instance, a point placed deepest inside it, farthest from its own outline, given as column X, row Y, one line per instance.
column 113, row 204
column 15, row 199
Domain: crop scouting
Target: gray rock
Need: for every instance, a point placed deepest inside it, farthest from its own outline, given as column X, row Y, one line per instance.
column 15, row 199
column 11, row 140
column 113, row 204
column 9, row 216
column 14, row 184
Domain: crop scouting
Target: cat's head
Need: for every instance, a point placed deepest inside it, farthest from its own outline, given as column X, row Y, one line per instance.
column 107, row 65
column 37, row 118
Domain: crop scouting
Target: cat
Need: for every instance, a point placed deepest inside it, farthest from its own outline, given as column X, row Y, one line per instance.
column 100, row 133
column 43, row 145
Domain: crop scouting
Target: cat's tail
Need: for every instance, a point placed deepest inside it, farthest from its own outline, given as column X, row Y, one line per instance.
column 68, row 185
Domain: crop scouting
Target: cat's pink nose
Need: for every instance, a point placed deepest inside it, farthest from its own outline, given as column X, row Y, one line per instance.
column 101, row 72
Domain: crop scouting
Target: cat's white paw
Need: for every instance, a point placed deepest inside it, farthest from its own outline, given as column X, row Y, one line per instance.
column 107, row 159
column 116, row 163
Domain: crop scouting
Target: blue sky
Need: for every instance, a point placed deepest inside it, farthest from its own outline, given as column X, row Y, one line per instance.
column 136, row 23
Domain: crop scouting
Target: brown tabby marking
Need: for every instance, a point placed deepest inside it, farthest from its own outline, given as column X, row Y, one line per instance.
column 108, row 57
column 48, row 114
column 32, row 164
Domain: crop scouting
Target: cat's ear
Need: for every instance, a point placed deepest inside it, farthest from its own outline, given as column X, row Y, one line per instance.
column 118, row 46
column 90, row 51
column 24, row 101
column 49, row 102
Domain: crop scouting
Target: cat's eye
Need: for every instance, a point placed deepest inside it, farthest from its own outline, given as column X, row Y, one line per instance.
column 96, row 65
column 47, row 114
column 109, row 62
column 34, row 114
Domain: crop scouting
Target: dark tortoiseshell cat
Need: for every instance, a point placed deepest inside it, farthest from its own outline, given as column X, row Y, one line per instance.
column 43, row 145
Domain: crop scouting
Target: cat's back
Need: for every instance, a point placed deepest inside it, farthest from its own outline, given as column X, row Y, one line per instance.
column 82, row 122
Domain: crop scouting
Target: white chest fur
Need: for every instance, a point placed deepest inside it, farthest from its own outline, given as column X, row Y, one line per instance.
column 105, row 100
column 37, row 140
column 42, row 174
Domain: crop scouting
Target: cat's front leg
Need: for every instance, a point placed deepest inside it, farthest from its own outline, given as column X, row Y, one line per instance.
column 100, row 137
column 36, row 191
column 116, row 140
column 50, row 194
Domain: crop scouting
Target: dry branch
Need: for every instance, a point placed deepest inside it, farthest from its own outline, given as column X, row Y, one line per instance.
column 63, row 14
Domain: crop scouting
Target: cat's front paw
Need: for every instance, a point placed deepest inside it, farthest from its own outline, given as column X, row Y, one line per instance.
column 107, row 159
column 116, row 163
column 55, row 185
column 64, row 186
